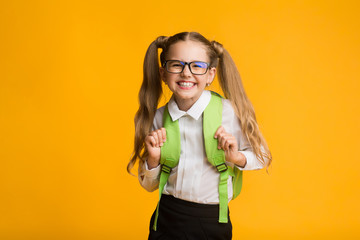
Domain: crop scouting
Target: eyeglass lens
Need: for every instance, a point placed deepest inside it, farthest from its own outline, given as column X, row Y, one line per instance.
column 175, row 66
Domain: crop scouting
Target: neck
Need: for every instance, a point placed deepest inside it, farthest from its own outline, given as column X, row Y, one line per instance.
column 185, row 104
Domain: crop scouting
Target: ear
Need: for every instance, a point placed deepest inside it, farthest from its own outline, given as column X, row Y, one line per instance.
column 211, row 75
column 162, row 74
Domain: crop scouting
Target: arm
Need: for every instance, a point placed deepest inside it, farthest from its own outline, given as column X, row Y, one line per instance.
column 244, row 160
column 228, row 143
column 149, row 179
column 241, row 151
column 149, row 170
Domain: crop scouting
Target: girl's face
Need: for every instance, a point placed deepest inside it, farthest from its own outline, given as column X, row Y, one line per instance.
column 186, row 86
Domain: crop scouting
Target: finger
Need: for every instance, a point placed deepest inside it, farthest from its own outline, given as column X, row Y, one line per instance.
column 224, row 141
column 221, row 139
column 163, row 130
column 149, row 140
column 160, row 138
column 227, row 144
column 232, row 144
column 153, row 141
column 155, row 137
column 219, row 131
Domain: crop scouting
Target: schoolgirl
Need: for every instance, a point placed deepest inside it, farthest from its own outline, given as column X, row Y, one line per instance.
column 189, row 205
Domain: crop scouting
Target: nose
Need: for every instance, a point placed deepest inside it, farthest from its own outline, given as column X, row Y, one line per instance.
column 186, row 71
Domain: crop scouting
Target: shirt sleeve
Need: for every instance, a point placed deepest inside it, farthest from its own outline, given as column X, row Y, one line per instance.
column 232, row 125
column 149, row 179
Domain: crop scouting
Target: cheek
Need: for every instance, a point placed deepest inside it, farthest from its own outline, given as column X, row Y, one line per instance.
column 164, row 76
column 169, row 77
column 209, row 78
column 203, row 80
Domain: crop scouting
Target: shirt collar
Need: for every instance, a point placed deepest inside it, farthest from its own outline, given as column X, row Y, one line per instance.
column 196, row 109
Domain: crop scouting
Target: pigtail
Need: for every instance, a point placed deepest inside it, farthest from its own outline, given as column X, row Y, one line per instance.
column 149, row 96
column 231, row 84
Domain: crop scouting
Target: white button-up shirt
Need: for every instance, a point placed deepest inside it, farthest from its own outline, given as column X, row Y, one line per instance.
column 195, row 179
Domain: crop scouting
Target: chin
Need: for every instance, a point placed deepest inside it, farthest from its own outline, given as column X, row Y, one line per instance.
column 188, row 96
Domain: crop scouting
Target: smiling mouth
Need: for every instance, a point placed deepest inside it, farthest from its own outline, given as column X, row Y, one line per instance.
column 186, row 84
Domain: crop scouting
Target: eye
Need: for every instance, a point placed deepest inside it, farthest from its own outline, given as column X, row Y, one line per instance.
column 175, row 64
column 199, row 65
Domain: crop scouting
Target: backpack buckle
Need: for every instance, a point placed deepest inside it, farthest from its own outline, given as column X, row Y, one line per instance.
column 222, row 167
column 166, row 169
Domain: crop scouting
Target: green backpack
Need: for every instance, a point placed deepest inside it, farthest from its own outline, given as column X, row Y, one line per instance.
column 170, row 154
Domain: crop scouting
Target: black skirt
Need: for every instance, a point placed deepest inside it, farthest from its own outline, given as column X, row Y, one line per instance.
column 179, row 219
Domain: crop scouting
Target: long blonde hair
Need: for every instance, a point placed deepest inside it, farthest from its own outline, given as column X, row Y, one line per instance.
column 230, row 82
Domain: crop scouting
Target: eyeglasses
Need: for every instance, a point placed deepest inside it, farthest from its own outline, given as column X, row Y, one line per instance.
column 176, row 66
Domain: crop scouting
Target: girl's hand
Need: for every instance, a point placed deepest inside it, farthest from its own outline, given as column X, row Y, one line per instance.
column 153, row 142
column 228, row 143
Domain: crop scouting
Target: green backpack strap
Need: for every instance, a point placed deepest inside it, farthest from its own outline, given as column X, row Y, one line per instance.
column 170, row 154
column 212, row 120
column 237, row 182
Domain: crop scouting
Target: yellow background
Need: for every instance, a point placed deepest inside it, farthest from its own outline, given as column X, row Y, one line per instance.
column 70, row 72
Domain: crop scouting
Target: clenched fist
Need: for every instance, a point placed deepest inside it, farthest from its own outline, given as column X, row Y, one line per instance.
column 153, row 142
column 229, row 144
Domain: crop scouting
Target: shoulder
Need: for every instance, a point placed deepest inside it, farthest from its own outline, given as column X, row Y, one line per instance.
column 228, row 109
column 230, row 121
column 158, row 119
column 160, row 111
column 226, row 104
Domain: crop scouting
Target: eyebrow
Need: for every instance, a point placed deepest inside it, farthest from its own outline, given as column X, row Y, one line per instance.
column 187, row 61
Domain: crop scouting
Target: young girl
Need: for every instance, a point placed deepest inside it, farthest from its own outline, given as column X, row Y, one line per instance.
column 189, row 205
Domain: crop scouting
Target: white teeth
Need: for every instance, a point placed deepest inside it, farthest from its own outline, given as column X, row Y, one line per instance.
column 186, row 84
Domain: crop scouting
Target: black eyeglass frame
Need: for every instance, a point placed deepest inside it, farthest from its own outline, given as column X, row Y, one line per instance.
column 184, row 65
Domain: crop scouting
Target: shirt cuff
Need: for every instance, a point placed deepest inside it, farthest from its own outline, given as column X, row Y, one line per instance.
column 152, row 173
column 252, row 163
